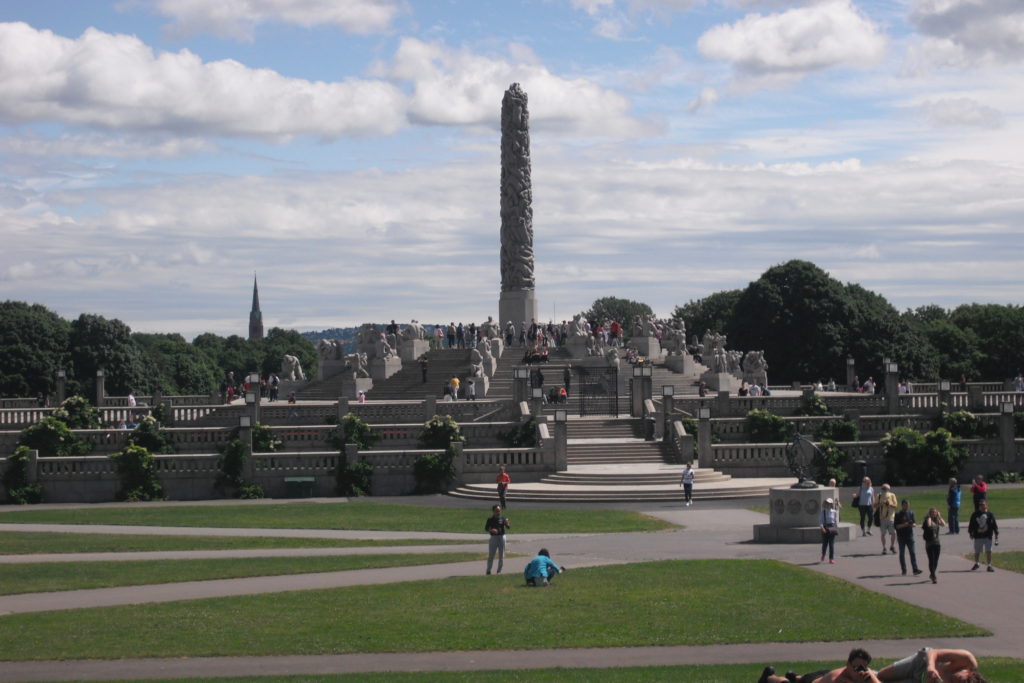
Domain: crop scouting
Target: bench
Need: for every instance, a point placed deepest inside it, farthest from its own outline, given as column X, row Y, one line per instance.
column 299, row 487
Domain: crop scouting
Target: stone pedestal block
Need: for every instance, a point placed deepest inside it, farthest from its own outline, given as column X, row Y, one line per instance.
column 329, row 368
column 518, row 306
column 577, row 347
column 481, row 384
column 685, row 364
column 497, row 347
column 721, row 381
column 647, row 346
column 795, row 515
column 490, row 366
column 382, row 368
column 411, row 349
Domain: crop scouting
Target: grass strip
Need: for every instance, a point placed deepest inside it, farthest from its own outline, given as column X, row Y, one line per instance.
column 36, row 542
column 994, row 668
column 366, row 515
column 1005, row 503
column 50, row 576
column 653, row 603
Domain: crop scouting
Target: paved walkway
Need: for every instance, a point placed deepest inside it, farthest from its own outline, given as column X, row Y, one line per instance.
column 990, row 601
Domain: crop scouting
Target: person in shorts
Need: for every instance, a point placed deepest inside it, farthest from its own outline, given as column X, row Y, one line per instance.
column 945, row 666
column 983, row 528
column 886, row 505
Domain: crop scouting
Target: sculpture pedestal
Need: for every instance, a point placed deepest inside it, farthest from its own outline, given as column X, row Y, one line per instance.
column 329, row 368
column 497, row 347
column 411, row 349
column 649, row 347
column 519, row 306
column 721, row 381
column 481, row 384
column 382, row 368
column 684, row 364
column 795, row 515
column 577, row 348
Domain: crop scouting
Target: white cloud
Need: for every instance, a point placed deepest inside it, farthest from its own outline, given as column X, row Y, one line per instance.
column 960, row 111
column 984, row 30
column 592, row 6
column 239, row 18
column 796, row 42
column 458, row 86
column 705, row 98
column 116, row 81
column 97, row 145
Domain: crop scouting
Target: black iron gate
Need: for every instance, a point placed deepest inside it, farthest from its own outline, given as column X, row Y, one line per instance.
column 598, row 389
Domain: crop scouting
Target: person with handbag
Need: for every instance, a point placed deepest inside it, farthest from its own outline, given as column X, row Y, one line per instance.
column 829, row 523
column 932, row 540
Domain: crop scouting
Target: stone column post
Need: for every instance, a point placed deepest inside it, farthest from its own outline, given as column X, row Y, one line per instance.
column 892, row 388
column 945, row 395
column 722, row 407
column 1006, row 433
column 429, row 407
column 245, row 435
column 536, row 403
column 666, row 412
column 32, row 467
column 704, row 454
column 341, row 408
column 101, row 388
column 459, row 461
column 976, row 398
column 851, row 372
column 561, row 446
column 62, row 386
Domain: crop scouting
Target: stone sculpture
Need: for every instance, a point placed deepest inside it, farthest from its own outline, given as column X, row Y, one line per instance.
column 291, row 370
column 414, row 332
column 358, row 364
column 516, row 193
column 476, row 364
column 489, row 329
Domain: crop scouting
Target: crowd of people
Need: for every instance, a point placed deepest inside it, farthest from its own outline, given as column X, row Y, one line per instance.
column 269, row 386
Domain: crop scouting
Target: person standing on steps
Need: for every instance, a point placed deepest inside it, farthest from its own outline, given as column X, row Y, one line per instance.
column 424, row 364
column 904, row 522
column 983, row 528
column 495, row 526
column 503, row 481
column 687, row 483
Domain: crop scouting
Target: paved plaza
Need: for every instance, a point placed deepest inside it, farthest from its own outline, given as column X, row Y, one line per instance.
column 713, row 529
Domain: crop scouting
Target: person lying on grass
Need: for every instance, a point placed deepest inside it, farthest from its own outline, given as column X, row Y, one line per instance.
column 856, row 670
column 927, row 665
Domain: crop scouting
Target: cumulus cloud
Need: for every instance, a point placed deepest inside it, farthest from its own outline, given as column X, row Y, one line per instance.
column 458, row 86
column 705, row 98
column 797, row 41
column 960, row 111
column 97, row 145
column 117, row 82
column 239, row 18
column 984, row 30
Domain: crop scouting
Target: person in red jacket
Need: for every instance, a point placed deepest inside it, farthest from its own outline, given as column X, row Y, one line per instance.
column 503, row 481
column 979, row 489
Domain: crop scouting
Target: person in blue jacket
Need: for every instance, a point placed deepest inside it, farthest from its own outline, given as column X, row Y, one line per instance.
column 953, row 503
column 541, row 570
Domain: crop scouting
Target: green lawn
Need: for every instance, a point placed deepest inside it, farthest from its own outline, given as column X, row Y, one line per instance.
column 62, row 576
column 1012, row 560
column 995, row 669
column 1005, row 503
column 344, row 515
column 35, row 542
column 653, row 603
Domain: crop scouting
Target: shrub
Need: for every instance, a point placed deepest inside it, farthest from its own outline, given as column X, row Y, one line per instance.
column 352, row 430
column 263, row 439
column 161, row 412
column 838, row 430
column 522, row 435
column 966, row 425
column 434, row 471
column 915, row 458
column 354, row 479
column 766, row 427
column 250, row 492
column 52, row 438
column 439, row 432
column 231, row 479
column 135, row 467
column 1001, row 477
column 77, row 413
column 15, row 479
column 829, row 461
column 813, row 406
column 149, row 435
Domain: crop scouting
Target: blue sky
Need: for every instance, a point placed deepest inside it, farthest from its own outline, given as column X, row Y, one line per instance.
column 155, row 153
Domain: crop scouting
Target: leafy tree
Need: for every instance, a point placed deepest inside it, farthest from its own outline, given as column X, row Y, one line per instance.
column 439, row 432
column 77, row 413
column 956, row 352
column 623, row 310
column 52, row 438
column 828, row 463
column 767, row 427
column 876, row 330
column 149, row 435
column 914, row 458
column 15, row 479
column 33, row 346
column 279, row 342
column 352, row 430
column 838, row 430
column 433, row 472
column 137, row 469
column 100, row 343
column 713, row 312
column 963, row 424
column 1000, row 333
column 174, row 366
column 814, row 405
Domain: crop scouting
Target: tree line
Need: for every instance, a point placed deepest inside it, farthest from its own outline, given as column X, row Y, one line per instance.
column 35, row 343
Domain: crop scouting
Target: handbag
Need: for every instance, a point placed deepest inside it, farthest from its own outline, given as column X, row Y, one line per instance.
column 856, row 499
column 878, row 518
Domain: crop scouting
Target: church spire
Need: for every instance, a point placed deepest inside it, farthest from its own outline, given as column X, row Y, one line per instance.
column 255, row 316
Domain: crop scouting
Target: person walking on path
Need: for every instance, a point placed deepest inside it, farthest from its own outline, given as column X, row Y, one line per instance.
column 503, row 481
column 904, row 522
column 687, row 483
column 983, row 528
column 865, row 504
column 932, row 540
column 979, row 491
column 886, row 507
column 829, row 523
column 496, row 525
column 953, row 503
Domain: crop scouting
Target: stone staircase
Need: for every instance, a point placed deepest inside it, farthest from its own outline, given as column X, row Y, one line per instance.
column 607, row 461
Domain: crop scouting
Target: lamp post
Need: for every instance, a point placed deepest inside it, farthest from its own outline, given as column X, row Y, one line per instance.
column 62, row 386
column 667, row 393
column 520, row 384
column 101, row 389
column 561, row 439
